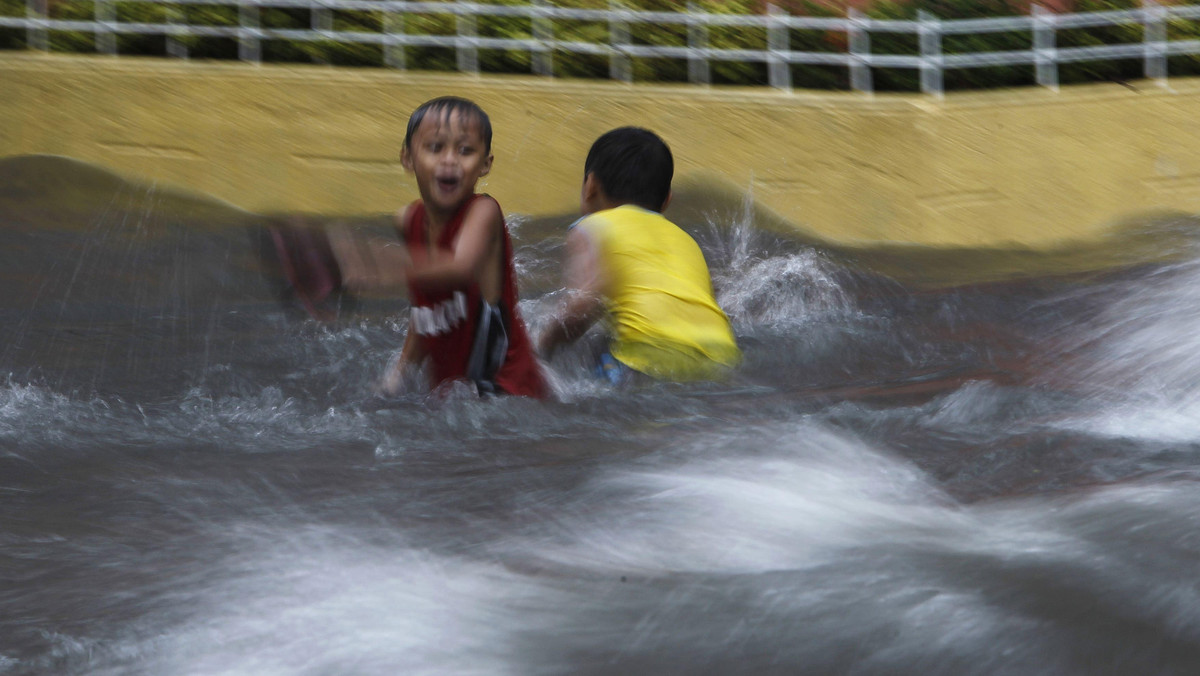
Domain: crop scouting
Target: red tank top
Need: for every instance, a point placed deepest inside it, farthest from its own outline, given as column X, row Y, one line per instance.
column 457, row 327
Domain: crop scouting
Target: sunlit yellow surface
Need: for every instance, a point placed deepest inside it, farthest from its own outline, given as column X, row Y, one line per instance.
column 1029, row 167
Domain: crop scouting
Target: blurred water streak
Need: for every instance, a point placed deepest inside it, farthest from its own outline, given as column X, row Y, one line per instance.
column 954, row 471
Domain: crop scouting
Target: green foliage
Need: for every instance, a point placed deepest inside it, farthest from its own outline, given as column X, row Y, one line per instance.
column 1091, row 71
column 12, row 38
column 72, row 41
column 736, row 37
column 208, row 15
column 140, row 12
column 973, row 78
column 1180, row 29
column 565, row 63
column 509, row 28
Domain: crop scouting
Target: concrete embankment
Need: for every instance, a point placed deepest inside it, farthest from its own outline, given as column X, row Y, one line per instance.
column 1029, row 167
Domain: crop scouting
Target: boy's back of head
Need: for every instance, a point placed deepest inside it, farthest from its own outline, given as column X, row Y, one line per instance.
column 633, row 166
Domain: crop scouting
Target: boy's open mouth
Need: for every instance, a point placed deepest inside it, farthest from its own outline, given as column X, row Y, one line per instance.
column 447, row 183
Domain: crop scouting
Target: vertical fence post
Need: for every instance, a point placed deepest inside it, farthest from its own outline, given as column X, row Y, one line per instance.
column 249, row 48
column 393, row 27
column 931, row 54
column 35, row 31
column 176, row 16
column 106, row 16
column 322, row 18
column 860, row 51
column 321, row 22
column 779, row 69
column 1045, row 56
column 699, row 71
column 543, row 34
column 467, row 50
column 1155, row 39
column 620, row 67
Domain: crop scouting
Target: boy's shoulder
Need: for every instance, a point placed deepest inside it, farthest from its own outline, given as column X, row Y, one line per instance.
column 403, row 217
column 485, row 206
column 619, row 215
column 479, row 200
column 482, row 197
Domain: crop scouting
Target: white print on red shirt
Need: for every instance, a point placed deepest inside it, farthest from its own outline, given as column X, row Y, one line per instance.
column 446, row 315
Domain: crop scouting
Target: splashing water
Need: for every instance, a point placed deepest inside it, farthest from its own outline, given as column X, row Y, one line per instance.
column 903, row 478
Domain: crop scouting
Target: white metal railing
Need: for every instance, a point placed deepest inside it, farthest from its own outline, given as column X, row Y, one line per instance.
column 931, row 62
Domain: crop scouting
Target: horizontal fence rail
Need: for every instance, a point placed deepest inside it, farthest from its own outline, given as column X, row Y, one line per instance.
column 928, row 58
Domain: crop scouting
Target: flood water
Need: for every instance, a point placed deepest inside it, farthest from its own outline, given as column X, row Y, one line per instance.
column 929, row 463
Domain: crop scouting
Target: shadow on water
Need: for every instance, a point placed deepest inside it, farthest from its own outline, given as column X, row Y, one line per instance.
column 930, row 462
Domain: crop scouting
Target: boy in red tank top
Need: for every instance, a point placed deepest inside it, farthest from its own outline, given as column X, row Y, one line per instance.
column 455, row 261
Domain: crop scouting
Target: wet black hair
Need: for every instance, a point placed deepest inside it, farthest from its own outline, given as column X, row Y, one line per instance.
column 447, row 107
column 633, row 166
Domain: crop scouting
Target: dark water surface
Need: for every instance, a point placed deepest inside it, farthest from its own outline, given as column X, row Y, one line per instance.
column 930, row 463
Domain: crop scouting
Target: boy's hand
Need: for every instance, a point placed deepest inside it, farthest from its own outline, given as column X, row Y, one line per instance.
column 584, row 305
column 394, row 380
column 357, row 273
column 392, row 383
column 573, row 318
column 369, row 264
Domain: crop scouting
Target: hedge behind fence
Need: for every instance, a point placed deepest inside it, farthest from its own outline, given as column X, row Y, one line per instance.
column 644, row 69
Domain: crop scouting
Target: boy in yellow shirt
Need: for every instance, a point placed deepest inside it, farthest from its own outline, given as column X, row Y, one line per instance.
column 628, row 263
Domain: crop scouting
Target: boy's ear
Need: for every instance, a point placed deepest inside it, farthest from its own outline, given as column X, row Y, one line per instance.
column 591, row 186
column 667, row 202
column 406, row 159
column 487, row 165
column 591, row 189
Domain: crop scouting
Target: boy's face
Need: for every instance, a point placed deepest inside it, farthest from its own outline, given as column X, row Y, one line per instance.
column 448, row 157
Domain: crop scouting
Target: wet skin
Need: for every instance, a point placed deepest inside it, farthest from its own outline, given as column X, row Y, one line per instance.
column 447, row 157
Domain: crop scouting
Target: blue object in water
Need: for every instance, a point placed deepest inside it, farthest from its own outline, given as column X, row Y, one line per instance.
column 608, row 368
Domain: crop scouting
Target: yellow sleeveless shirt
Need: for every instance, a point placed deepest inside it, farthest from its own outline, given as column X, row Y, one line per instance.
column 664, row 320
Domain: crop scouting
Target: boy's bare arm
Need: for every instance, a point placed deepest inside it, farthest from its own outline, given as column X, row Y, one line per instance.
column 476, row 252
column 585, row 301
column 411, row 355
column 369, row 264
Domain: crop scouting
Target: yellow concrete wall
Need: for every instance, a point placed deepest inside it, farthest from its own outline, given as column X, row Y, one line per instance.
column 1033, row 166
